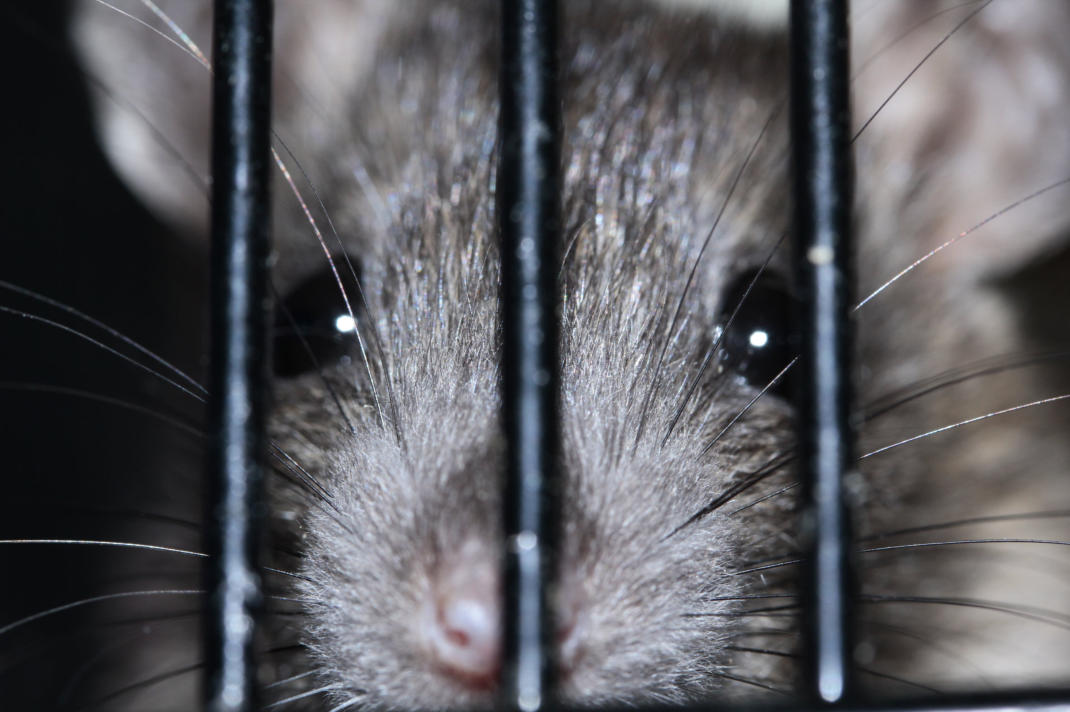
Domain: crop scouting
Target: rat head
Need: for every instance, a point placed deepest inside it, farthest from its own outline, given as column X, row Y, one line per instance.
column 675, row 203
column 403, row 560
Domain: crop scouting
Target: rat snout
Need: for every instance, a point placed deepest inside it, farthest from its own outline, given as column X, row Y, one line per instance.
column 461, row 621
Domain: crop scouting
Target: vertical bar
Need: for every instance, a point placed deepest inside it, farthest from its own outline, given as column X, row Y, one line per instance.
column 528, row 209
column 239, row 377
column 823, row 194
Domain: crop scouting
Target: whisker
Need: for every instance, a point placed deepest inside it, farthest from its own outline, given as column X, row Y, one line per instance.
column 778, row 462
column 862, row 66
column 189, row 47
column 345, row 705
column 337, row 278
column 111, row 331
column 883, row 404
column 299, row 333
column 861, row 668
column 655, row 376
column 304, row 475
column 76, row 677
column 755, row 683
column 140, row 547
column 101, row 345
column 303, row 695
column 49, row 388
column 716, row 345
column 115, row 544
column 1032, row 613
column 192, row 49
column 371, row 322
column 766, row 567
column 95, row 599
column 745, row 613
column 961, row 657
column 142, row 684
column 1052, row 514
column 956, row 238
column 288, row 680
column 771, row 495
column 936, row 544
column 180, row 33
column 743, row 411
column 968, row 421
column 917, row 66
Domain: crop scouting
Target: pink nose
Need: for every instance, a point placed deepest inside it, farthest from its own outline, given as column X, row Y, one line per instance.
column 461, row 621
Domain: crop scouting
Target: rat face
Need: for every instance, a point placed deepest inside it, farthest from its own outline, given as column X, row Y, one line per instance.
column 395, row 560
column 675, row 578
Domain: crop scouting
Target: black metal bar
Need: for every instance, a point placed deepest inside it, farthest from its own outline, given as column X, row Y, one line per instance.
column 241, row 141
column 823, row 194
column 528, row 209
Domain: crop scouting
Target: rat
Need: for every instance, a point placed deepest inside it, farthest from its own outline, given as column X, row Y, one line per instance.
column 675, row 577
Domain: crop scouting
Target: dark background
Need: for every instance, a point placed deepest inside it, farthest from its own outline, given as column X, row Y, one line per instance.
column 73, row 467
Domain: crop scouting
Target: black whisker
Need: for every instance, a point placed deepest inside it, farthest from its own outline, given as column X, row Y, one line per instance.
column 655, row 375
column 743, row 411
column 751, row 480
column 917, row 66
column 1051, row 514
column 172, row 420
column 142, row 684
column 716, row 345
column 885, row 404
column 1033, row 613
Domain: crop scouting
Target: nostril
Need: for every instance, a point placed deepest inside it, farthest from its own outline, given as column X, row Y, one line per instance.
column 461, row 624
column 468, row 623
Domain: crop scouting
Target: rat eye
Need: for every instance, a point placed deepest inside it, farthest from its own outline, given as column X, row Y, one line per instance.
column 313, row 328
column 756, row 343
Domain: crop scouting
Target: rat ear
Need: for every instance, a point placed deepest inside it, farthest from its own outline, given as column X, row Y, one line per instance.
column 979, row 125
column 153, row 98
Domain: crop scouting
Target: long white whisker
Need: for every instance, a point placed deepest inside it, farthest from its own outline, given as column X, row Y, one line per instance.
column 337, row 277
column 100, row 542
column 96, row 599
column 959, row 424
column 111, row 331
column 189, row 47
column 288, row 680
column 180, row 33
column 964, row 233
column 101, row 345
column 303, row 695
column 345, row 705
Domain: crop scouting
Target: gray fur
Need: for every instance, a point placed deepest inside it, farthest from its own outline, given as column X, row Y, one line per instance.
column 661, row 108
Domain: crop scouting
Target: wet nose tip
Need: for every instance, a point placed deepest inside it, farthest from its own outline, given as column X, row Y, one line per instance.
column 462, row 626
column 466, row 636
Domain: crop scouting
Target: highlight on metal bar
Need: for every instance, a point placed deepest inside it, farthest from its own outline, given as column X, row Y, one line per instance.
column 823, row 194
column 239, row 330
column 528, row 206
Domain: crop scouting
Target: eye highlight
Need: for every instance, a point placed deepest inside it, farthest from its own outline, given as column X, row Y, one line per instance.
column 756, row 342
column 313, row 328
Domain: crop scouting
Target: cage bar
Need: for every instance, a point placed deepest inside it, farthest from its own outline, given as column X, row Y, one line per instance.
column 528, row 209
column 241, row 96
column 822, row 175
